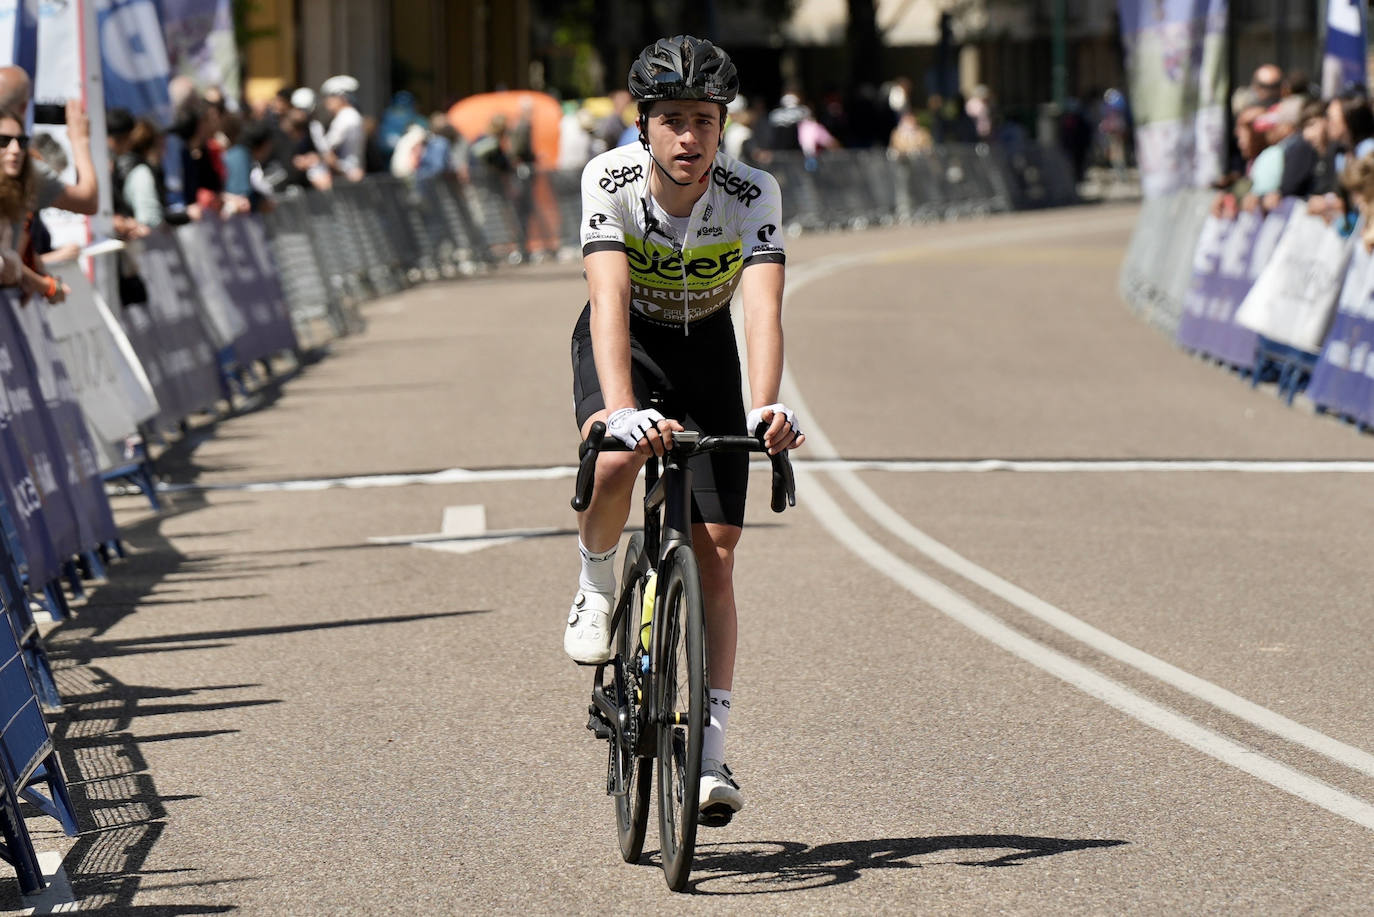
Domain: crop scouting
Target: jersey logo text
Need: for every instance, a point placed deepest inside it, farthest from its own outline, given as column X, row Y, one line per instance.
column 613, row 179
column 730, row 183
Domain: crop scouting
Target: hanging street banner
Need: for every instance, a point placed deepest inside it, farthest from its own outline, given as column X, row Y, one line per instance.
column 1176, row 73
column 200, row 43
column 1343, row 61
column 19, row 34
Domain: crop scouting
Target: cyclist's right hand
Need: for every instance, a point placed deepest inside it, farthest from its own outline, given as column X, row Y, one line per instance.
column 644, row 430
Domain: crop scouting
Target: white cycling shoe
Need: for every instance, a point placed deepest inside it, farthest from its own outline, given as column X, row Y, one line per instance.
column 720, row 797
column 587, row 638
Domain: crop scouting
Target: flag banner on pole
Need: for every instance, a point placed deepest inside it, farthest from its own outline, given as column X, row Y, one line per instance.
column 201, row 44
column 1176, row 73
column 19, row 34
column 1343, row 61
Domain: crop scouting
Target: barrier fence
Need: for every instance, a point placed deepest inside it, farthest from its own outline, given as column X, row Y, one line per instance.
column 87, row 385
column 1282, row 297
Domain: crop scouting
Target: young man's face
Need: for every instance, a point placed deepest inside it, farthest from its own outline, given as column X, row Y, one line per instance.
column 684, row 137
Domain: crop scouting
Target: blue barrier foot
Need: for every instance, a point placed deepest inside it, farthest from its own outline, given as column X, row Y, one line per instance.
column 17, row 848
column 56, row 602
column 73, row 577
column 57, row 803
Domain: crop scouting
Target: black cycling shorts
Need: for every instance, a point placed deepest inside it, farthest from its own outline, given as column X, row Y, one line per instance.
column 693, row 379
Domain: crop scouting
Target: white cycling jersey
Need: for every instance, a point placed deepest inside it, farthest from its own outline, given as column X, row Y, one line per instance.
column 736, row 223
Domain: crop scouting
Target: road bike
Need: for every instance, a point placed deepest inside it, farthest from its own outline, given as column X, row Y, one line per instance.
column 649, row 701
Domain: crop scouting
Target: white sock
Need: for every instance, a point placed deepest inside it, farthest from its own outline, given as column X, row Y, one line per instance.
column 713, row 736
column 598, row 570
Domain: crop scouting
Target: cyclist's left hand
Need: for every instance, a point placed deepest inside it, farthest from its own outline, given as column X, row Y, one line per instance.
column 783, row 431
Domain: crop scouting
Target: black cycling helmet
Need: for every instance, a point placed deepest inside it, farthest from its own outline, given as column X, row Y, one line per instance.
column 683, row 67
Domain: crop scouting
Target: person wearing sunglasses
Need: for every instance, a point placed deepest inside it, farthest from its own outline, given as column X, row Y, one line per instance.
column 19, row 266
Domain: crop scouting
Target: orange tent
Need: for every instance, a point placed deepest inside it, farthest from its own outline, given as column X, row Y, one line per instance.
column 472, row 116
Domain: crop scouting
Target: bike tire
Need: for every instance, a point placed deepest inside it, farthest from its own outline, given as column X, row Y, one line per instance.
column 632, row 809
column 680, row 711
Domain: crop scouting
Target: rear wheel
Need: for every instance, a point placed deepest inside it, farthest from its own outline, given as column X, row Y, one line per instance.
column 680, row 711
column 632, row 807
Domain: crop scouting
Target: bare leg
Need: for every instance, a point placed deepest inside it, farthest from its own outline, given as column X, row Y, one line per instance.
column 714, row 545
column 602, row 523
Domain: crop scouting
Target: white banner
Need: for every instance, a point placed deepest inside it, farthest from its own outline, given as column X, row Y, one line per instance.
column 1294, row 296
column 108, row 380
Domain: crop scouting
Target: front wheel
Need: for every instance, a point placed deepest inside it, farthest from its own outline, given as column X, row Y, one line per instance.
column 632, row 807
column 679, row 710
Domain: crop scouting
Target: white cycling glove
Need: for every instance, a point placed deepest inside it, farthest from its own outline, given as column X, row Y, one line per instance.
column 630, row 426
column 755, row 417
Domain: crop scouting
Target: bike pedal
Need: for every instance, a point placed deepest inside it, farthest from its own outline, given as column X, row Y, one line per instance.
column 597, row 725
column 717, row 816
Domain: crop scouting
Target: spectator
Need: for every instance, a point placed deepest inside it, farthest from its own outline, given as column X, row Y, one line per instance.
column 785, row 120
column 909, row 137
column 1350, row 121
column 1307, row 166
column 19, row 265
column 738, row 127
column 410, row 149
column 1358, row 182
column 375, row 157
column 1266, row 85
column 576, row 144
column 979, row 109
column 813, row 138
column 446, row 151
column 1236, row 183
column 1279, row 124
column 137, row 180
column 344, row 150
column 490, row 149
column 82, row 197
column 201, row 168
column 238, row 168
column 612, row 128
column 399, row 117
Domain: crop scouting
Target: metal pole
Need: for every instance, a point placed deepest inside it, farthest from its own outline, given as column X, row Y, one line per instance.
column 1059, row 72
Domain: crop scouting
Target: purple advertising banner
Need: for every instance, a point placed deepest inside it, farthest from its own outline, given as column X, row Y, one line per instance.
column 37, row 486
column 249, row 276
column 1230, row 255
column 1343, row 378
column 68, row 430
column 169, row 335
column 23, row 499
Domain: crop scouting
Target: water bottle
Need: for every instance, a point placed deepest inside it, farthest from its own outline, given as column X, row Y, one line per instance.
column 646, row 614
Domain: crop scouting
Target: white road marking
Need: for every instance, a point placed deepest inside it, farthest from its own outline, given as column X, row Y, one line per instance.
column 1174, row 725
column 1080, row 676
column 463, row 531
column 905, row 466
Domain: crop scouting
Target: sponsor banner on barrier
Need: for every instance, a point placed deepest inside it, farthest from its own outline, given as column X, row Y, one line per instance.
column 110, row 384
column 134, row 57
column 31, row 495
column 249, row 277
column 26, row 408
column 67, row 430
column 1343, row 378
column 1176, row 66
column 1295, row 293
column 169, row 333
column 1230, row 254
column 199, row 246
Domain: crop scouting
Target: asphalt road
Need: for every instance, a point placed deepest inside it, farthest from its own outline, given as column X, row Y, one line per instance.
column 1106, row 685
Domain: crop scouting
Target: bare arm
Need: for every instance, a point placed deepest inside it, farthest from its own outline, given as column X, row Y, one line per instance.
column 608, row 282
column 84, row 196
column 761, row 286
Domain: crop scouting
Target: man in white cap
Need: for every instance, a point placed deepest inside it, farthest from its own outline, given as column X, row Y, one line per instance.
column 345, row 142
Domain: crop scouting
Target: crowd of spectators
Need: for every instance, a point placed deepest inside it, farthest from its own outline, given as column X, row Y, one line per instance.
column 1290, row 141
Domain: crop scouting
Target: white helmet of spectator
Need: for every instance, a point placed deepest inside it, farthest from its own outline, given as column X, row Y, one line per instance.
column 341, row 85
column 303, row 98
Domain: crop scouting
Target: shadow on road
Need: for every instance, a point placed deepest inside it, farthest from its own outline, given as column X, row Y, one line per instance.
column 769, row 867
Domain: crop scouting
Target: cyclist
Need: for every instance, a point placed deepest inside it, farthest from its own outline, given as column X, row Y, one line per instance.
column 671, row 226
